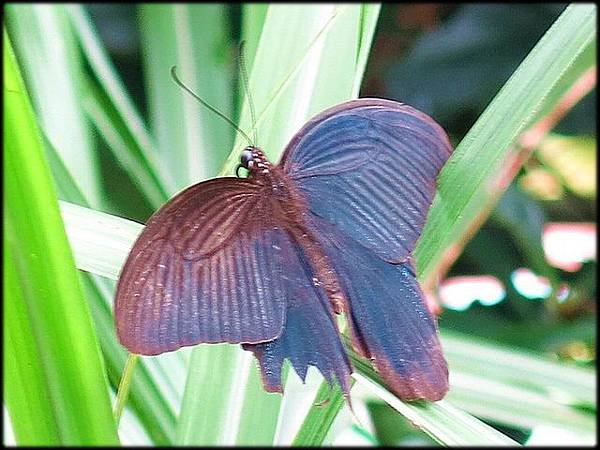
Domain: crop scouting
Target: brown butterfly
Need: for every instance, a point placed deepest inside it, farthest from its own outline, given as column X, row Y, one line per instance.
column 267, row 261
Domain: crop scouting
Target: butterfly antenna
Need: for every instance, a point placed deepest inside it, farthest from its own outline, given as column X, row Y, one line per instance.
column 212, row 108
column 244, row 72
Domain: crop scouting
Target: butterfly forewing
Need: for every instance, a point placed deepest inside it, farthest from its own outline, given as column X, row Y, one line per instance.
column 369, row 166
column 207, row 268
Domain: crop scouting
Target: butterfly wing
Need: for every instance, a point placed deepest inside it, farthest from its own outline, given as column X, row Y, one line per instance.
column 367, row 169
column 207, row 267
column 215, row 265
column 389, row 320
column 369, row 166
column 310, row 336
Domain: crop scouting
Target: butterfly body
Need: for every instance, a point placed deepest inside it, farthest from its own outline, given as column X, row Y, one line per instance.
column 290, row 210
column 267, row 261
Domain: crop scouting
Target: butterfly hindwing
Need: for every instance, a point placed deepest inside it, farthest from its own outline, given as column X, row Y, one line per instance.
column 388, row 317
column 310, row 336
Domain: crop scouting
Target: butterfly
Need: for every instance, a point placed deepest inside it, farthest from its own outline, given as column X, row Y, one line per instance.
column 268, row 261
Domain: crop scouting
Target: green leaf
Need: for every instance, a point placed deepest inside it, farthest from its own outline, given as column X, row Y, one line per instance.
column 58, row 90
column 101, row 242
column 142, row 167
column 147, row 398
column 70, row 375
column 258, row 424
column 318, row 421
column 211, row 369
column 24, row 385
column 562, row 383
column 253, row 19
column 440, row 420
column 113, row 111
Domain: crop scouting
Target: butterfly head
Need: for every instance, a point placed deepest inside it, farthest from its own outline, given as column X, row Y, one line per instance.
column 254, row 161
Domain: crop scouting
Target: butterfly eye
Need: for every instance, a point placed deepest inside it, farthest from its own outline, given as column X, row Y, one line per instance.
column 246, row 158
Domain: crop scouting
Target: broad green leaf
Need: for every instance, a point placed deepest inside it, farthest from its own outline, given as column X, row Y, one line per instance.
column 100, row 241
column 70, row 375
column 253, row 20
column 158, row 382
column 366, row 31
column 25, row 389
column 147, row 398
column 212, row 368
column 259, row 425
column 299, row 399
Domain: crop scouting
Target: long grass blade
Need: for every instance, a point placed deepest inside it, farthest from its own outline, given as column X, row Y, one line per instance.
column 114, row 91
column 443, row 422
column 40, row 30
column 151, row 399
column 71, row 366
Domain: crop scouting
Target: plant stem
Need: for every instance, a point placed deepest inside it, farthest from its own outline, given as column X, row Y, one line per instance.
column 123, row 390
